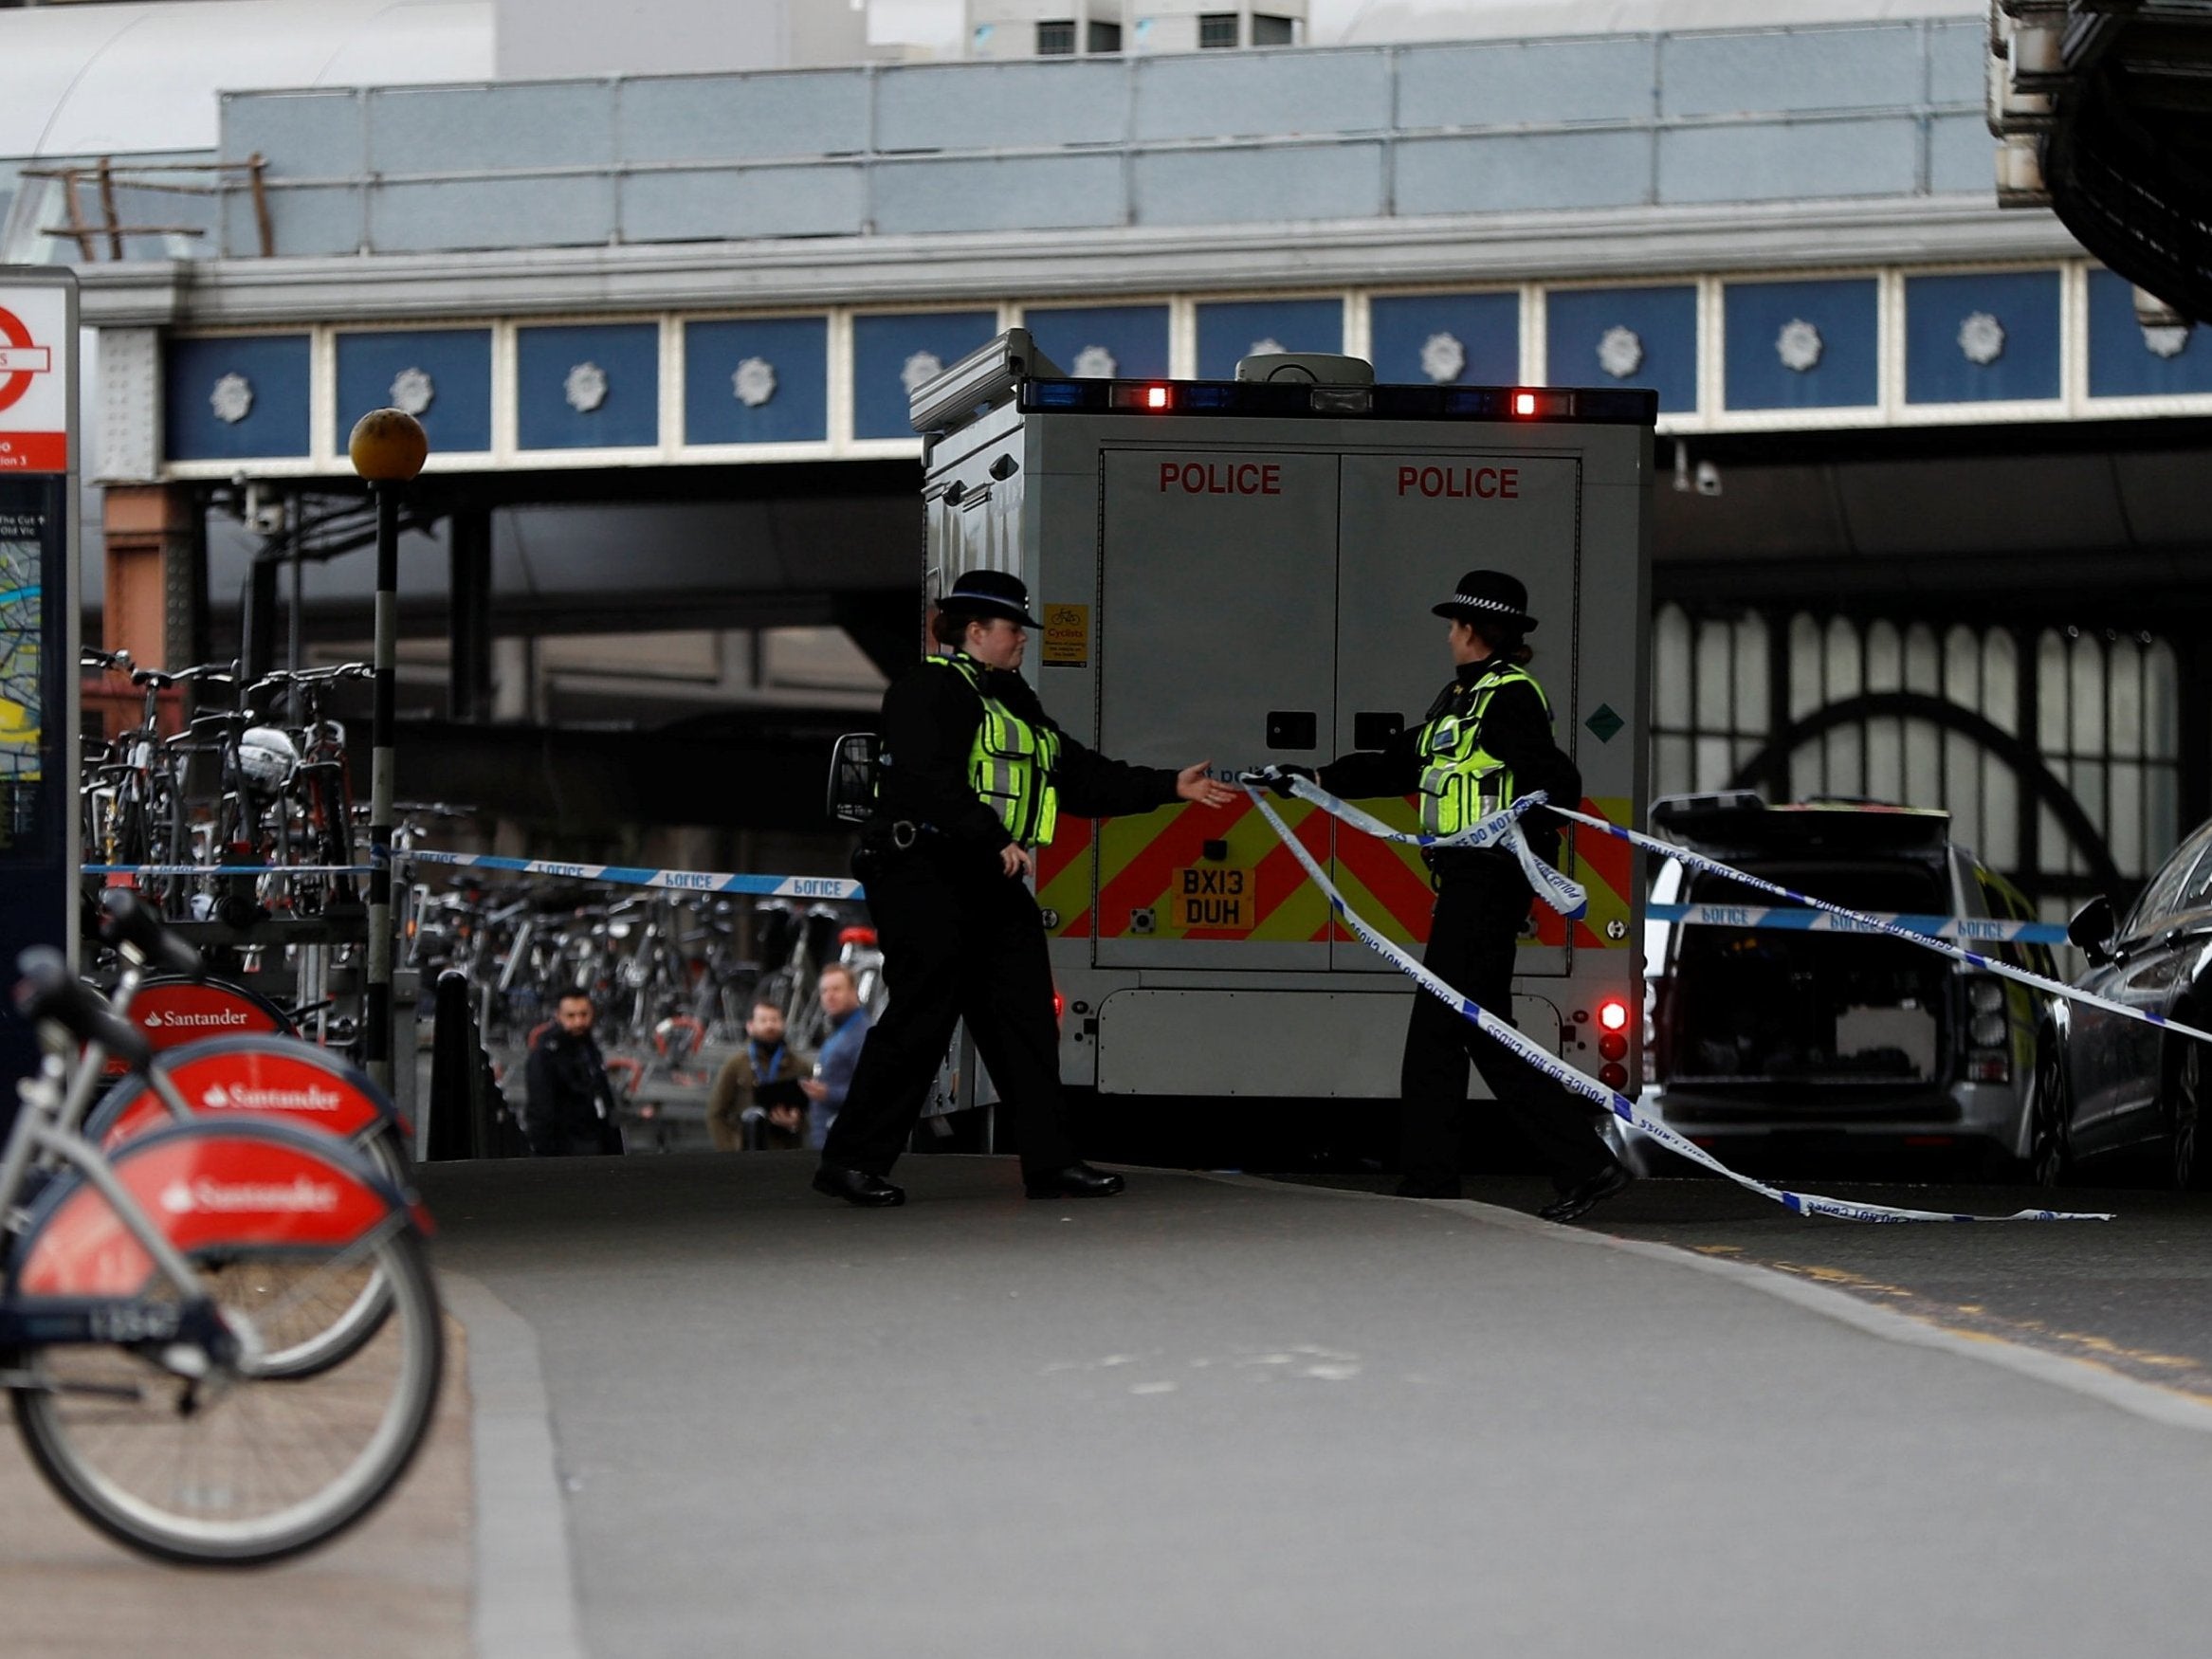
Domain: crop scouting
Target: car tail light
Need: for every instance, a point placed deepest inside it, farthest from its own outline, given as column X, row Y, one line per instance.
column 1059, row 1006
column 1613, row 1045
column 1987, row 1031
column 1988, row 1069
column 1612, row 1074
column 1613, row 1014
column 1986, row 996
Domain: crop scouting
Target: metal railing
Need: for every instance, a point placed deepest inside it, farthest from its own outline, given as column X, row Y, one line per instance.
column 105, row 226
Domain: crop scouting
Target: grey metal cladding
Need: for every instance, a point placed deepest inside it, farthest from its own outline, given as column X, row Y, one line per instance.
column 1028, row 192
column 1958, row 62
column 1210, row 186
column 1525, row 83
column 467, row 129
column 739, row 117
column 453, row 215
column 1203, row 97
column 299, row 135
column 309, row 221
column 684, row 205
column 1764, row 161
column 1879, row 66
column 1960, row 155
column 992, row 106
column 1517, row 172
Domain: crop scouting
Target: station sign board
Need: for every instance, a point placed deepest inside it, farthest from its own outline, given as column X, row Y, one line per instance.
column 38, row 631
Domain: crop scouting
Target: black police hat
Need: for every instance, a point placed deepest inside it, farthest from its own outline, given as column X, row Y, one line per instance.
column 1488, row 596
column 988, row 593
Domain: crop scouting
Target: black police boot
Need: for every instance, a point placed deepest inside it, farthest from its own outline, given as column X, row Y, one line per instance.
column 1078, row 1181
column 1579, row 1197
column 858, row 1187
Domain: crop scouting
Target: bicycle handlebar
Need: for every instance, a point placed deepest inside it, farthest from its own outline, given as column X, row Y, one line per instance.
column 277, row 680
column 129, row 924
column 158, row 678
column 50, row 992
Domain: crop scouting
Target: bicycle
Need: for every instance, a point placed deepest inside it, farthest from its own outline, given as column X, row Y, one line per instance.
column 145, row 1291
column 252, row 1075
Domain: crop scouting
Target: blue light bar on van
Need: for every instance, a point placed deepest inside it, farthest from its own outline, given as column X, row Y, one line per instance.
column 1581, row 405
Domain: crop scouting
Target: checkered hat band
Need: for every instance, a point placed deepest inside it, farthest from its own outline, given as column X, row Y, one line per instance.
column 1483, row 604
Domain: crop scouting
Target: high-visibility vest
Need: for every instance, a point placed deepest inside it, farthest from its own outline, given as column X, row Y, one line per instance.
column 1010, row 762
column 1461, row 781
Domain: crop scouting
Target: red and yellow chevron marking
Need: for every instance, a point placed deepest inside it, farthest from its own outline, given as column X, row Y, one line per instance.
column 1135, row 860
column 1063, row 877
column 1606, row 868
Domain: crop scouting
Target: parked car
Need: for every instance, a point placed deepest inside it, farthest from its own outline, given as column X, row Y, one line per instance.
column 2104, row 1083
column 1761, row 1042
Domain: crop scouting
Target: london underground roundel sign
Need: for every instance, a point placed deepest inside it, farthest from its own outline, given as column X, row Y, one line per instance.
column 35, row 393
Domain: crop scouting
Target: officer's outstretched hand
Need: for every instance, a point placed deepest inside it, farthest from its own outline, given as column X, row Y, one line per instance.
column 1197, row 784
column 1014, row 860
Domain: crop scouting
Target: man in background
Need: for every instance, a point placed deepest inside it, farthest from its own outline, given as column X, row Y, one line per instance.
column 848, row 1023
column 747, row 1109
column 571, row 1109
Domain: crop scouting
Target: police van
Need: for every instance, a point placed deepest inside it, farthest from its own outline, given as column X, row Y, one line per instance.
column 1243, row 571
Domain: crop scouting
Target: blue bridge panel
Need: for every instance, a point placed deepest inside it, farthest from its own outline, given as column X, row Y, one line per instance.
column 1954, row 326
column 756, row 380
column 1774, row 328
column 890, row 351
column 1662, row 354
column 379, row 370
column 1482, row 330
column 1229, row 329
column 2128, row 361
column 1135, row 337
column 244, row 397
column 554, row 386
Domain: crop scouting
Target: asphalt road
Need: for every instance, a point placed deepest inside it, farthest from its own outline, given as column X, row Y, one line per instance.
column 1245, row 1418
column 2133, row 1294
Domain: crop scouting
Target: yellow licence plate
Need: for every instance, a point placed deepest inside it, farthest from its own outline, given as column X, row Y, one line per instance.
column 1223, row 896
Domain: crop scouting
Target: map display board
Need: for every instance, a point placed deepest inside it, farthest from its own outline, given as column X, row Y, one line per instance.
column 38, row 634
column 32, row 533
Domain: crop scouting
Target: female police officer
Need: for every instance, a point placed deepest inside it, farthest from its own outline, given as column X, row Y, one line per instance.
column 1485, row 739
column 974, row 775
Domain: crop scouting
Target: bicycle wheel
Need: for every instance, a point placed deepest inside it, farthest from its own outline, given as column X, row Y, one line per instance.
column 330, row 1316
column 238, row 1466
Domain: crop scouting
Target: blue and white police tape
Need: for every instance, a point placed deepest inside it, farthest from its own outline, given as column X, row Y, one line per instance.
column 1779, row 918
column 1503, row 826
column 224, row 869
column 635, row 876
column 1589, row 1087
column 1862, row 922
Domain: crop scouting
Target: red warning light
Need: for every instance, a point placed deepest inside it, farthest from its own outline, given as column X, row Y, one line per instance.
column 1524, row 403
column 1613, row 1014
column 1156, row 398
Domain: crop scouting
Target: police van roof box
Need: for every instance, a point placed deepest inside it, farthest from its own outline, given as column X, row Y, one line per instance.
column 979, row 382
column 1313, row 368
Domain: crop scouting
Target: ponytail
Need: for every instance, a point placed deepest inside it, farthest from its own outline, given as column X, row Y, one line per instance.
column 1505, row 644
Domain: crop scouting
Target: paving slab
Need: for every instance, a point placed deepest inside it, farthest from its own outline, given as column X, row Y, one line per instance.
column 395, row 1587
column 1240, row 1419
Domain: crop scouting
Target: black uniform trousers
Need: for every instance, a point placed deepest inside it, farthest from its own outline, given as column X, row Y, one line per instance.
column 1471, row 942
column 961, row 940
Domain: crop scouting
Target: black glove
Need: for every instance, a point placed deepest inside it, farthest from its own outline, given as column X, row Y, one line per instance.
column 1280, row 783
